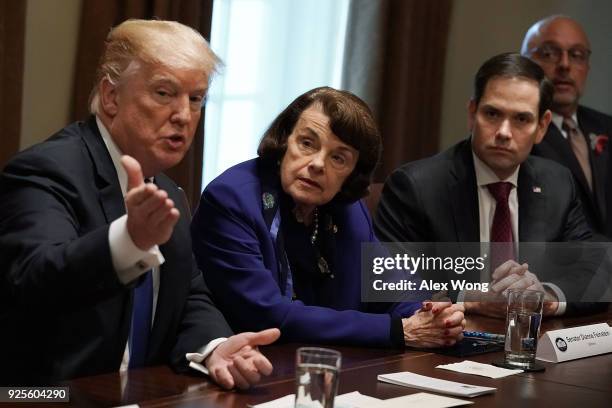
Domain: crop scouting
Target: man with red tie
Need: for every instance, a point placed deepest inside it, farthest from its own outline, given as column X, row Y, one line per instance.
column 577, row 137
column 488, row 189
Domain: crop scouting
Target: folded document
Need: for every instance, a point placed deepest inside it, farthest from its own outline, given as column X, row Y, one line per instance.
column 422, row 382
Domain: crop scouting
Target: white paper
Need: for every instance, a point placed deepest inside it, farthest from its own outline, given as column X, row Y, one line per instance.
column 350, row 400
column 408, row 379
column 355, row 400
column 422, row 400
column 485, row 370
column 283, row 402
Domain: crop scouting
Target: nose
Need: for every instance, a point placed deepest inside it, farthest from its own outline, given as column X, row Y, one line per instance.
column 181, row 111
column 564, row 61
column 504, row 131
column 317, row 162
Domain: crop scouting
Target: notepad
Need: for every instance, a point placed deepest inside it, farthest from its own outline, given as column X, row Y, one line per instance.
column 422, row 382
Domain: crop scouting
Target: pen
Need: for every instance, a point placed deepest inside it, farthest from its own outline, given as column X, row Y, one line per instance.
column 485, row 336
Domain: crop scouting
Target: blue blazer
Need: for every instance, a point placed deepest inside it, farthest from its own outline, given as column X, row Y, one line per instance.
column 236, row 251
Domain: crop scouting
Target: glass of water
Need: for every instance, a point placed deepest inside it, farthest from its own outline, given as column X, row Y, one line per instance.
column 316, row 377
column 523, row 320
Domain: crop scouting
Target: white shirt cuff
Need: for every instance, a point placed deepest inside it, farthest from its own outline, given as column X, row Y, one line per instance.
column 560, row 297
column 196, row 359
column 130, row 261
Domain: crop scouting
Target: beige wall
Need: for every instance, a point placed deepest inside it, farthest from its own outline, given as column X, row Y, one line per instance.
column 50, row 48
column 483, row 28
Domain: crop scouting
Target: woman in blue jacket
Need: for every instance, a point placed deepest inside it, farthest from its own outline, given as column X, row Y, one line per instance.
column 278, row 238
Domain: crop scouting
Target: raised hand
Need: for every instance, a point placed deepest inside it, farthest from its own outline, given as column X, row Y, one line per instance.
column 151, row 215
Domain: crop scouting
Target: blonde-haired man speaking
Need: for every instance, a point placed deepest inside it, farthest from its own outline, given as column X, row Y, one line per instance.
column 97, row 271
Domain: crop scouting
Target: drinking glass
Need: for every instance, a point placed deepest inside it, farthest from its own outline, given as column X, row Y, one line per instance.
column 523, row 319
column 316, row 377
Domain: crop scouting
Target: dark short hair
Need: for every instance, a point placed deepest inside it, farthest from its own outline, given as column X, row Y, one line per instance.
column 513, row 65
column 349, row 118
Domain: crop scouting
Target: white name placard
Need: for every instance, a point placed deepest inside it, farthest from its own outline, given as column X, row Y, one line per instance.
column 576, row 342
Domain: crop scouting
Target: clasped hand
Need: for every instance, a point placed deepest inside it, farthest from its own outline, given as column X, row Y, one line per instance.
column 509, row 275
column 436, row 324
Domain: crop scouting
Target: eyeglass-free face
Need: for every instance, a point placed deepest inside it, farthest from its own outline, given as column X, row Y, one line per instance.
column 505, row 124
column 316, row 163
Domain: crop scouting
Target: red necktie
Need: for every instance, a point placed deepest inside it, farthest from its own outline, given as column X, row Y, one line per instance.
column 501, row 230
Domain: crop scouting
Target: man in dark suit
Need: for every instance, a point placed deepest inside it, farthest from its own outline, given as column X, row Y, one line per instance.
column 577, row 137
column 487, row 188
column 97, row 270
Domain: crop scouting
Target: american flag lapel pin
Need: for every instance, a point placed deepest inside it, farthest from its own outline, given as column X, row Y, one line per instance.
column 537, row 189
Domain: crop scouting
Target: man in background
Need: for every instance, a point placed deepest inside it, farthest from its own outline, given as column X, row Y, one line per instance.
column 577, row 137
column 97, row 270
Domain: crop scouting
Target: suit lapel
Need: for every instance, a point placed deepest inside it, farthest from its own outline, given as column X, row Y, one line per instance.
column 532, row 206
column 109, row 190
column 561, row 145
column 464, row 196
column 271, row 207
column 112, row 204
column 598, row 162
column 172, row 287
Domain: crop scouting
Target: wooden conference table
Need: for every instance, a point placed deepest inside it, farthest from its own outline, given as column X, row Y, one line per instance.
column 580, row 383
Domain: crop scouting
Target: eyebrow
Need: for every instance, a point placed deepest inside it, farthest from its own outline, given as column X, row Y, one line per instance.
column 527, row 115
column 346, row 149
column 165, row 80
column 311, row 131
column 495, row 108
column 155, row 79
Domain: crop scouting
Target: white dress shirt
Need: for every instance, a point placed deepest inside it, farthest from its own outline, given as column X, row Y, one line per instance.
column 130, row 262
column 486, row 212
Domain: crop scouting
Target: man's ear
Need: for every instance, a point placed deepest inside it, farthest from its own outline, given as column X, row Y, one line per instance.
column 108, row 95
column 471, row 110
column 543, row 126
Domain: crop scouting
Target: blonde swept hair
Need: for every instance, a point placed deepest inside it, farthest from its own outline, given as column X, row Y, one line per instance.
column 152, row 42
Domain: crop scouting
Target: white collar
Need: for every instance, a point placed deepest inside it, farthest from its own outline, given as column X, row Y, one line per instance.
column 558, row 119
column 484, row 174
column 115, row 155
